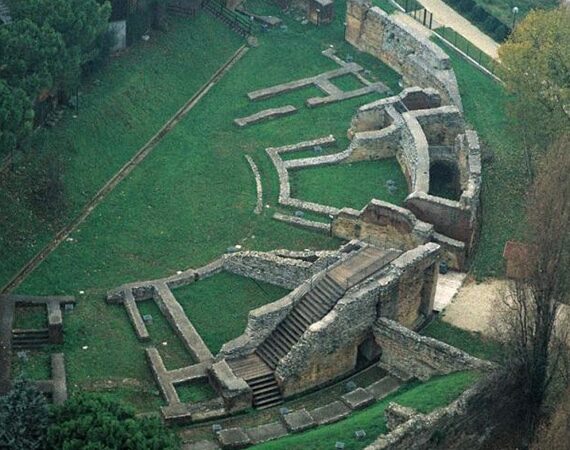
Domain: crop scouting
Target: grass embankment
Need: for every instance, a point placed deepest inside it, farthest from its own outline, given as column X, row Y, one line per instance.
column 504, row 176
column 119, row 111
column 424, row 397
column 471, row 342
column 191, row 199
column 504, row 10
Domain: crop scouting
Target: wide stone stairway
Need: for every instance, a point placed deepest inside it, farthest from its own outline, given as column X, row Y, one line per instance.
column 257, row 369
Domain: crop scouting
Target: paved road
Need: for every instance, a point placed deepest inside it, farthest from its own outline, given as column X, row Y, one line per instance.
column 447, row 16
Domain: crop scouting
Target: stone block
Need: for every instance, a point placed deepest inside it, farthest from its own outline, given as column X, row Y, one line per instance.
column 298, row 421
column 267, row 432
column 233, row 438
column 397, row 414
column 333, row 412
column 357, row 399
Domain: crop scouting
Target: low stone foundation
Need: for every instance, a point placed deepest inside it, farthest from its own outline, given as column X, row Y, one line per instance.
column 404, row 351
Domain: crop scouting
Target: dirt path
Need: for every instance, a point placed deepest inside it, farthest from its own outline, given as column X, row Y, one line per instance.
column 447, row 16
column 474, row 306
column 123, row 173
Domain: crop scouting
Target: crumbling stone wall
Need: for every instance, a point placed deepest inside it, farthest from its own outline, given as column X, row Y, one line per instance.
column 390, row 39
column 329, row 348
column 467, row 423
column 404, row 351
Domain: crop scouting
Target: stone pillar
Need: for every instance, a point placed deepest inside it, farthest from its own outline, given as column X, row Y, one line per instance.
column 428, row 289
column 355, row 15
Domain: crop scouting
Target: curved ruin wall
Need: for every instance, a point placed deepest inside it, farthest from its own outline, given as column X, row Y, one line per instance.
column 387, row 37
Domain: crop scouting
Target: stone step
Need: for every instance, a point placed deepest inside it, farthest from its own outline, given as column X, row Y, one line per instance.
column 262, row 384
column 319, row 305
column 267, row 391
column 279, row 347
column 294, row 324
column 303, row 321
column 267, row 356
column 307, row 312
column 288, row 327
column 17, row 333
column 291, row 341
column 269, row 403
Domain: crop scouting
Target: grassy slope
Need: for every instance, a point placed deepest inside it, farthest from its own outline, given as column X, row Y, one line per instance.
column 226, row 296
column 503, row 9
column 504, row 179
column 132, row 99
column 424, row 397
column 191, row 199
column 473, row 343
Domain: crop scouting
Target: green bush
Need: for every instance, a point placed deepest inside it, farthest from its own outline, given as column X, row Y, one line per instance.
column 23, row 417
column 98, row 422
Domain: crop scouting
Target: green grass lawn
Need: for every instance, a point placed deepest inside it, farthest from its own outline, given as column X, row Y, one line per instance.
column 195, row 391
column 504, row 178
column 120, row 110
column 471, row 342
column 347, row 82
column 503, row 10
column 30, row 317
column 162, row 336
column 424, row 397
column 352, row 185
column 228, row 297
column 191, row 199
column 36, row 366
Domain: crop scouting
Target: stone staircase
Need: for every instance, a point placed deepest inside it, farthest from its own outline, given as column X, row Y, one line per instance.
column 29, row 339
column 260, row 378
column 257, row 369
column 311, row 308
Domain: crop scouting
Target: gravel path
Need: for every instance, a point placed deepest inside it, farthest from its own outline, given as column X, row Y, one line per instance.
column 473, row 307
column 447, row 16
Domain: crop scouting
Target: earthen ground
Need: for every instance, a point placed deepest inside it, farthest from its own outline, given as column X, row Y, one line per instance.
column 474, row 305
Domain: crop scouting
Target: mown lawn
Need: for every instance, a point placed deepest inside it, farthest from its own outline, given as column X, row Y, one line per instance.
column 424, row 397
column 190, row 200
column 229, row 298
column 352, row 185
column 120, row 109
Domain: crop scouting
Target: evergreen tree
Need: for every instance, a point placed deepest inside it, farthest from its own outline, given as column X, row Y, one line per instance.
column 23, row 417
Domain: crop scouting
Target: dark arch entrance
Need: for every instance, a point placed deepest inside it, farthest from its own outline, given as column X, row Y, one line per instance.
column 444, row 180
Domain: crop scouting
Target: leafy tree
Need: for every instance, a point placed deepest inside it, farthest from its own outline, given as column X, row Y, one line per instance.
column 97, row 422
column 23, row 417
column 535, row 334
column 16, row 116
column 536, row 69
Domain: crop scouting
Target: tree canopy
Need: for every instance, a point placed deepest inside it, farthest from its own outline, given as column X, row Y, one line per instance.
column 43, row 50
column 536, row 69
column 97, row 422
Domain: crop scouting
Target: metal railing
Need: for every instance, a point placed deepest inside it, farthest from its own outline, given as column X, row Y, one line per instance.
column 235, row 21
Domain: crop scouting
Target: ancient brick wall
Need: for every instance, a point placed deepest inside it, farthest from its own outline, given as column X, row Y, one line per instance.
column 419, row 60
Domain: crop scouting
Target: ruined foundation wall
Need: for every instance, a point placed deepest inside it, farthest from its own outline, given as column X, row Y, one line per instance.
column 421, row 357
column 388, row 38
